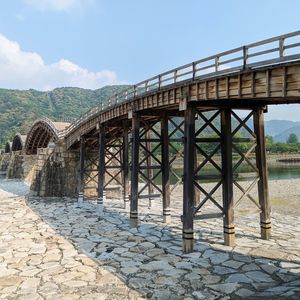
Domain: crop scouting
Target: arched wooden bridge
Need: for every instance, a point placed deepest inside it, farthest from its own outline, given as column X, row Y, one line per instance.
column 142, row 132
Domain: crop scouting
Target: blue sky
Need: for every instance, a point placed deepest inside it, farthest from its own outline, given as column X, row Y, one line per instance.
column 90, row 43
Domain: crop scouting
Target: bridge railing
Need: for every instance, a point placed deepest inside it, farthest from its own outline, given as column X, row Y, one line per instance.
column 270, row 51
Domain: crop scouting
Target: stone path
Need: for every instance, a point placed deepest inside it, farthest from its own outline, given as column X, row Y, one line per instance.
column 49, row 249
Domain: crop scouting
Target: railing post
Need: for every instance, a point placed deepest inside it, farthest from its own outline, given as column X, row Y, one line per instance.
column 217, row 60
column 281, row 47
column 101, row 170
column 159, row 81
column 194, row 70
column 188, row 179
column 134, row 170
column 245, row 57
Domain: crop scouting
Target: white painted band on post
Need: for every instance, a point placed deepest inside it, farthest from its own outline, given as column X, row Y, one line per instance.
column 80, row 200
column 100, row 206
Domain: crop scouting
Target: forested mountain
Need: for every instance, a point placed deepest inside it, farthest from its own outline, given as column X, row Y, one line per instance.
column 281, row 129
column 18, row 109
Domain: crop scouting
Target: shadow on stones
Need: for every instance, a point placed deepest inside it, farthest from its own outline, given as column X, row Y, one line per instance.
column 149, row 258
column 16, row 187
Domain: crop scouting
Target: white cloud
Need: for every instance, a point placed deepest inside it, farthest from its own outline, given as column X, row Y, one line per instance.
column 23, row 70
column 58, row 5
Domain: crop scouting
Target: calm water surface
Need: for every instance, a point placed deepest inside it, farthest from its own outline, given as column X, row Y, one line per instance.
column 275, row 171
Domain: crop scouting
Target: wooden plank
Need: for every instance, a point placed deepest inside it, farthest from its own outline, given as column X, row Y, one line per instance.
column 284, row 82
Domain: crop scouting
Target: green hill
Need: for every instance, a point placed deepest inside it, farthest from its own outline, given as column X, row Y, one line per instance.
column 18, row 109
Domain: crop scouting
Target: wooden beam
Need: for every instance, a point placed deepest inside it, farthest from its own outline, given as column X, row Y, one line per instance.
column 101, row 170
column 125, row 169
column 188, row 180
column 134, row 170
column 149, row 164
column 81, row 172
column 227, row 173
column 261, row 163
column 165, row 169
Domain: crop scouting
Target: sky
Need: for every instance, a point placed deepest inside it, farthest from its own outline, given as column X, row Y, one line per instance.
column 46, row 44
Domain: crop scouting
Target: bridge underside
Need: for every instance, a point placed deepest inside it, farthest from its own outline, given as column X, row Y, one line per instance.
column 43, row 132
column 179, row 133
column 139, row 155
column 7, row 147
column 18, row 142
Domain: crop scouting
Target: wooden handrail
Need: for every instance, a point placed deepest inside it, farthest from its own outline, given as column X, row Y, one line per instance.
column 215, row 66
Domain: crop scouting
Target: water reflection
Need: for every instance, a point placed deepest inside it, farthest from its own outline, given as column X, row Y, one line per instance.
column 276, row 171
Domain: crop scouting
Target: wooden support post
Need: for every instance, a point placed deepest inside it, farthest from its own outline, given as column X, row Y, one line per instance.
column 101, row 170
column 197, row 192
column 81, row 172
column 125, row 167
column 165, row 165
column 261, row 163
column 134, row 170
column 227, row 174
column 188, row 179
column 149, row 169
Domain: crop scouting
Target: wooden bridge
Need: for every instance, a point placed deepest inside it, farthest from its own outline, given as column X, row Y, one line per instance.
column 141, row 133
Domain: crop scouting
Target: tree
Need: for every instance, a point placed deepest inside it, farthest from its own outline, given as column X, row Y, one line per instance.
column 269, row 140
column 292, row 139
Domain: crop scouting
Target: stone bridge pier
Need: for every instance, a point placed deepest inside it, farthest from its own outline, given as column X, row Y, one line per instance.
column 55, row 173
column 4, row 162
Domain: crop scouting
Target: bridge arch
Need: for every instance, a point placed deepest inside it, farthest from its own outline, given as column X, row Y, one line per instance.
column 42, row 133
column 18, row 142
column 7, row 148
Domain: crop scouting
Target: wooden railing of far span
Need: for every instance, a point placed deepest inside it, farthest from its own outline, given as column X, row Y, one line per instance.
column 256, row 57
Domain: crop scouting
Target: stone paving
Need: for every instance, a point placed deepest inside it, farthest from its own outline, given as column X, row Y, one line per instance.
column 49, row 249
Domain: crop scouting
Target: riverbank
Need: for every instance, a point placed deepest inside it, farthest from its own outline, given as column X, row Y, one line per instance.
column 52, row 250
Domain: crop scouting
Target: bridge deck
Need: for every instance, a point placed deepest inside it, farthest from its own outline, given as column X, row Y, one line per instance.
column 275, row 84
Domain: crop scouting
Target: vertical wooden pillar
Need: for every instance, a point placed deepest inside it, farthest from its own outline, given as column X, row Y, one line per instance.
column 81, row 172
column 165, row 165
column 134, row 170
column 188, row 180
column 227, row 174
column 125, row 166
column 101, row 170
column 261, row 163
column 197, row 192
column 149, row 166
